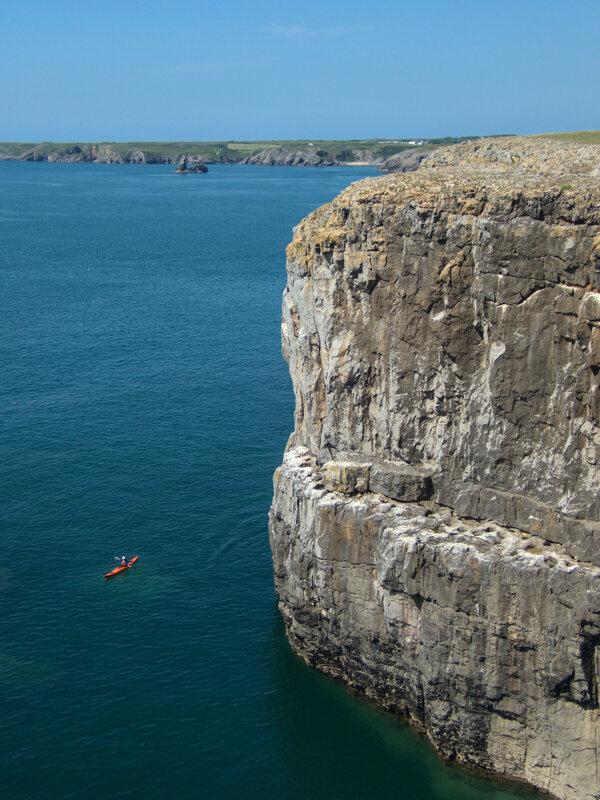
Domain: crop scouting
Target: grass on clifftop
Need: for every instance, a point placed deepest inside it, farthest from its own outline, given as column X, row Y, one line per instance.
column 582, row 137
column 14, row 149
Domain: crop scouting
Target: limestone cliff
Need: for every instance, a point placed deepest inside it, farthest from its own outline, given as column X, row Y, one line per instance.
column 406, row 161
column 436, row 523
column 98, row 153
column 284, row 157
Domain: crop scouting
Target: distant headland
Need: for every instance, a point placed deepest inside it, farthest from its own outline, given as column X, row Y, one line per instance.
column 390, row 155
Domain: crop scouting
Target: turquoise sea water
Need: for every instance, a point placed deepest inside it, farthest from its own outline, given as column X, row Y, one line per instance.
column 145, row 406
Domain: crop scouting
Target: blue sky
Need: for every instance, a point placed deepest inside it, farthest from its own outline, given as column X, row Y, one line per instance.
column 179, row 70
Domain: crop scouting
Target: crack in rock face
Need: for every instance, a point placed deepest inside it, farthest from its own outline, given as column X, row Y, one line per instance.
column 436, row 521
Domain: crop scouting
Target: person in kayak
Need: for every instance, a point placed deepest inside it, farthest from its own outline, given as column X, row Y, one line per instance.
column 123, row 562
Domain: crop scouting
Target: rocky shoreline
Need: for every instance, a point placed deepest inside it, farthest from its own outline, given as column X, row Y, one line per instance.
column 436, row 525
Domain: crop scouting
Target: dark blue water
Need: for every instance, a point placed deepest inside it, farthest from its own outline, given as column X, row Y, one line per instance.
column 144, row 407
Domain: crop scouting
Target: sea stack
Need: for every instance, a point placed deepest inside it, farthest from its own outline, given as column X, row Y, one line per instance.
column 435, row 525
column 185, row 167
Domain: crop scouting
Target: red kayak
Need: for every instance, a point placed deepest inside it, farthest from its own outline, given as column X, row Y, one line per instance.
column 121, row 567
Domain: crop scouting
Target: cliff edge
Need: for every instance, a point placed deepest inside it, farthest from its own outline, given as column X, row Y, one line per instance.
column 436, row 524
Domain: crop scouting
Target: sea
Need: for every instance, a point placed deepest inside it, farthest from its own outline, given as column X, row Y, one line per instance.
column 144, row 406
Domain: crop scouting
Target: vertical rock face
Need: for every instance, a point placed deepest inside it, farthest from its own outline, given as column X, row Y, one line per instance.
column 436, row 522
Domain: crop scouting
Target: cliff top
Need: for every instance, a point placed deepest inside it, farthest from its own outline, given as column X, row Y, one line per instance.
column 525, row 156
column 538, row 177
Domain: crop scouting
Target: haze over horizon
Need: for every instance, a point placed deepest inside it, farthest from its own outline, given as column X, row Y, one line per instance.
column 195, row 72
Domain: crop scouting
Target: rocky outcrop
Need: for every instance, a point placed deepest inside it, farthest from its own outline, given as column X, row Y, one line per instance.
column 191, row 167
column 281, row 157
column 69, row 155
column 100, row 154
column 436, row 524
column 406, row 161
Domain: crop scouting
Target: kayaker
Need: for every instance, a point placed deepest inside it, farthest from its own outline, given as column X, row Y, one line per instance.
column 123, row 562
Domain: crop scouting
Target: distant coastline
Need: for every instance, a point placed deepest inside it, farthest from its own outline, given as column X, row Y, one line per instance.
column 385, row 154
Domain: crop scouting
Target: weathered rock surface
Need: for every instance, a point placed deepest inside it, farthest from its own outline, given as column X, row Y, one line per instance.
column 277, row 157
column 102, row 154
column 436, row 523
column 406, row 161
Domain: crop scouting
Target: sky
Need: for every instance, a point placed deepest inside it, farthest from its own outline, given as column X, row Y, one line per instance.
column 197, row 71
